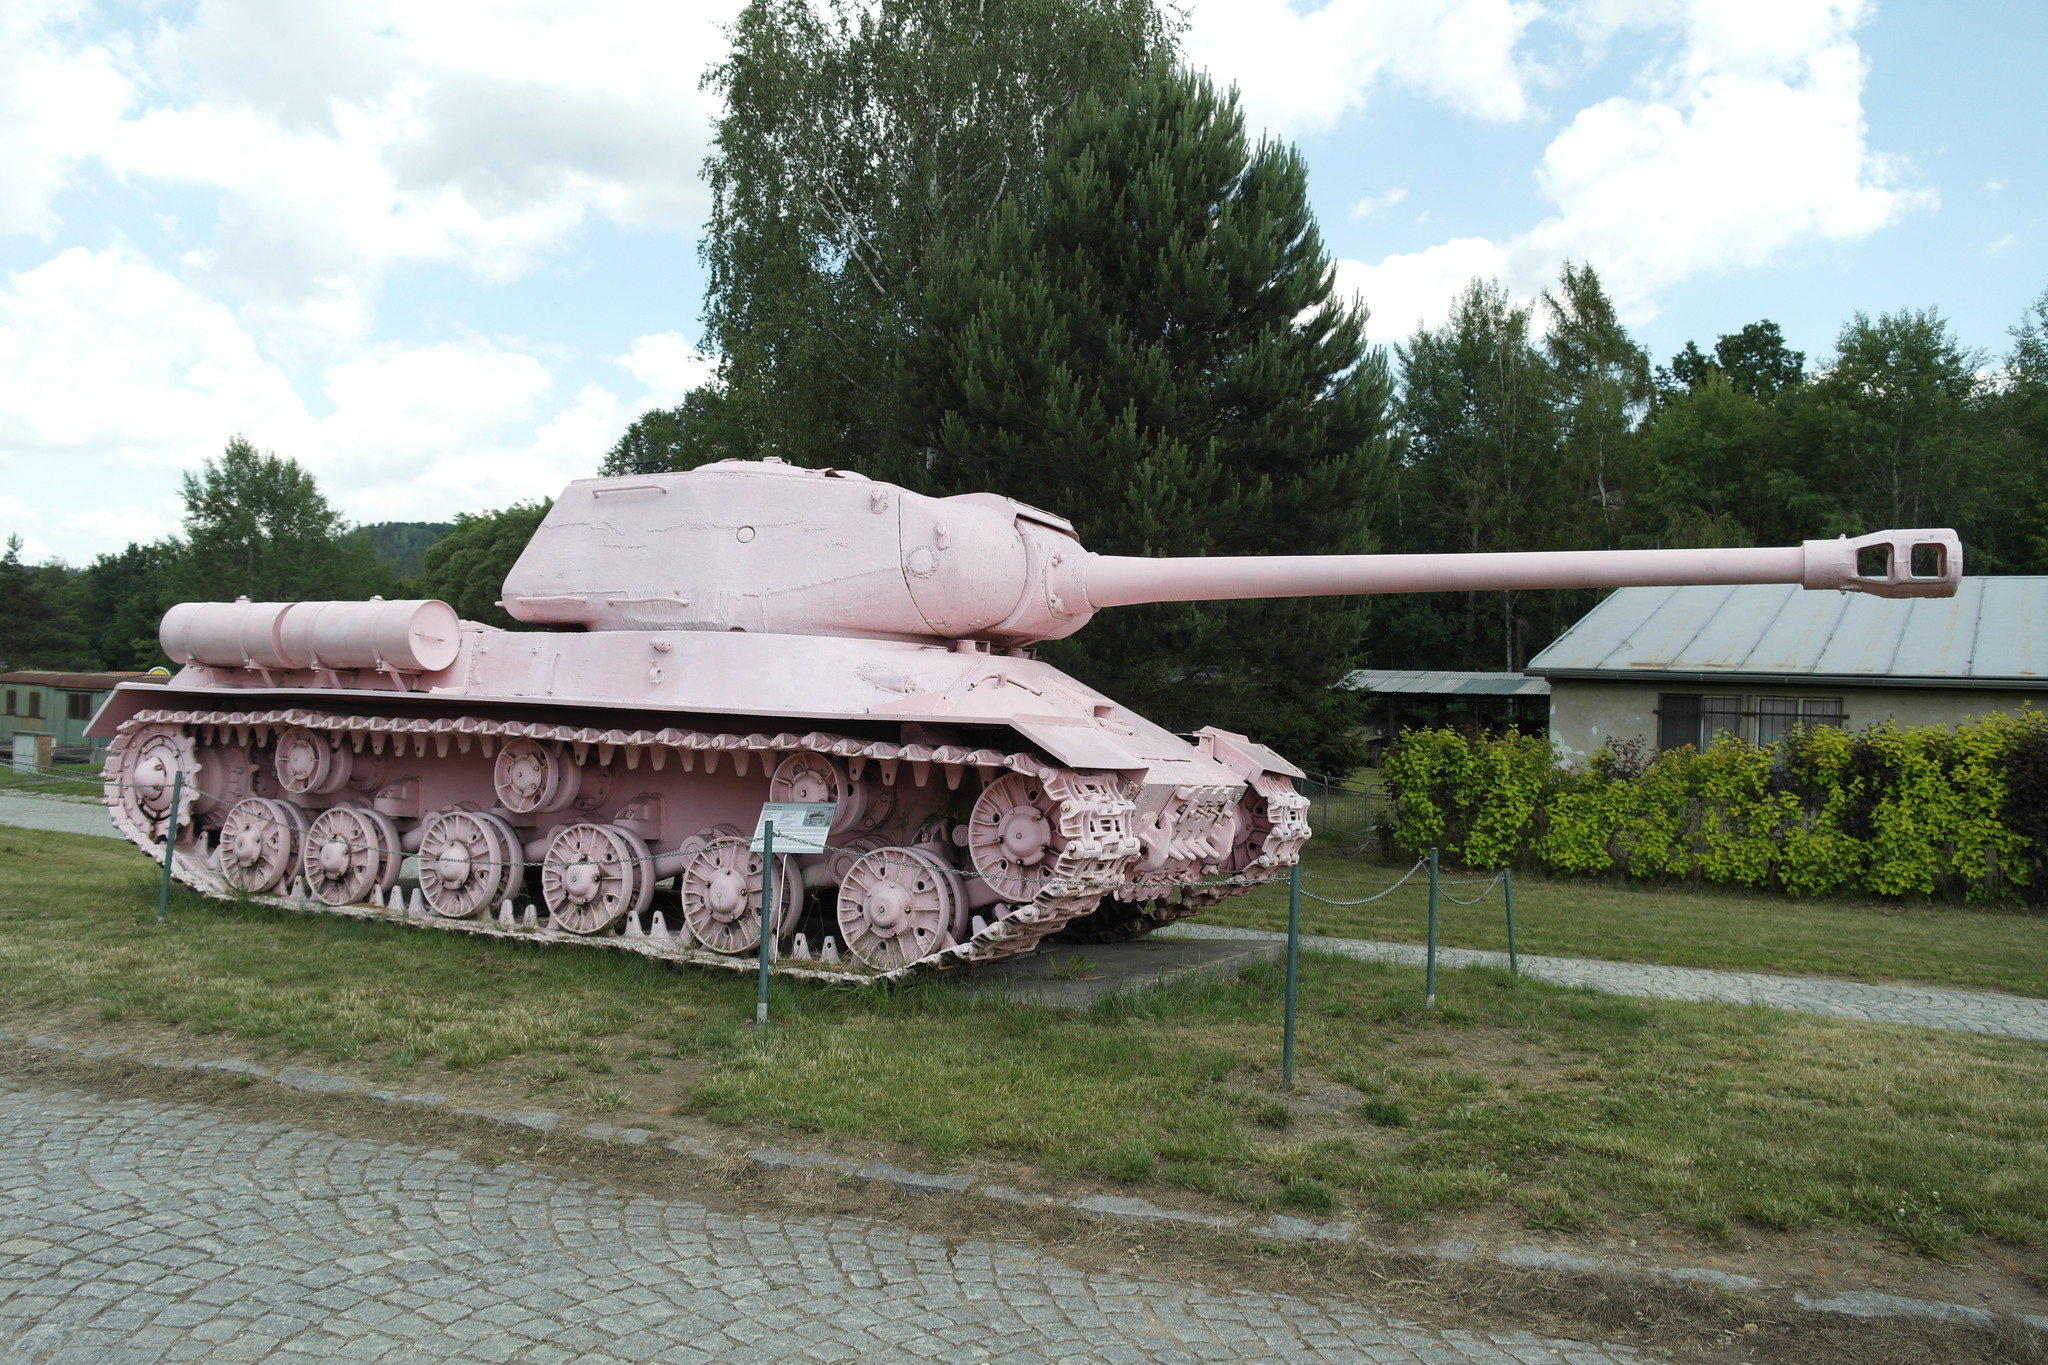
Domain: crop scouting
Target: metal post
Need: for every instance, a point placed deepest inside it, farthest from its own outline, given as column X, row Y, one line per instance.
column 1507, row 880
column 1293, row 970
column 1429, row 973
column 767, row 911
column 163, row 895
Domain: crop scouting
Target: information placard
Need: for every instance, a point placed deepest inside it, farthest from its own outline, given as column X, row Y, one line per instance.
column 800, row 826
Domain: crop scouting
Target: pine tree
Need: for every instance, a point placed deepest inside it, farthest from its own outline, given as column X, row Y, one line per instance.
column 858, row 136
column 39, row 623
column 1146, row 342
column 1480, row 472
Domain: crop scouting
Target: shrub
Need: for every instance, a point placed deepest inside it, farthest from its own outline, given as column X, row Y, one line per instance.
column 1893, row 811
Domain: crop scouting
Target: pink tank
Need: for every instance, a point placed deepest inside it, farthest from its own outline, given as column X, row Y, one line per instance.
column 752, row 631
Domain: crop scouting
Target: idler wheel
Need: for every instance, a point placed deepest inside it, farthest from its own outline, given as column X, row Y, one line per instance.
column 721, row 893
column 469, row 861
column 898, row 905
column 592, row 875
column 1014, row 835
column 259, row 843
column 349, row 852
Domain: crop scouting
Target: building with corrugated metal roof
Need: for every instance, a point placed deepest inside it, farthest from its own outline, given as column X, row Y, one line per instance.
column 57, row 704
column 1676, row 666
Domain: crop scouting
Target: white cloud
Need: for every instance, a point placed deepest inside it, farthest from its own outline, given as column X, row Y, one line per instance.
column 345, row 139
column 1750, row 141
column 2002, row 245
column 1302, row 69
column 668, row 366
column 1373, row 203
column 117, row 376
column 55, row 102
column 1415, row 289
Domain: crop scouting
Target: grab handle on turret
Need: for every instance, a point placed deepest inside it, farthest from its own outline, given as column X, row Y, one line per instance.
column 1917, row 563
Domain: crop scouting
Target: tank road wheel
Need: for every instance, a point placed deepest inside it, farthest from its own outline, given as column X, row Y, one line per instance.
column 259, row 843
column 469, row 861
column 898, row 905
column 530, row 776
column 1013, row 836
column 309, row 762
column 348, row 853
column 592, row 875
column 138, row 785
column 721, row 891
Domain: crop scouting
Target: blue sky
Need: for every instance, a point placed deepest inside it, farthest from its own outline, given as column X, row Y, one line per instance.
column 442, row 254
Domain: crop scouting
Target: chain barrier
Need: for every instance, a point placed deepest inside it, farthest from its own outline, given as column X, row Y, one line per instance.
column 1391, row 887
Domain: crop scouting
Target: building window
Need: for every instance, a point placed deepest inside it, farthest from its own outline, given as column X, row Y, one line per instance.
column 78, row 705
column 35, row 706
column 1776, row 716
column 12, row 699
column 1686, row 718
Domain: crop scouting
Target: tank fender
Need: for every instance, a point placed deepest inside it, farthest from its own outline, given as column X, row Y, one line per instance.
column 1245, row 757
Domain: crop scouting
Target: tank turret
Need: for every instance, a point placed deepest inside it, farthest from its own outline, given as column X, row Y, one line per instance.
column 768, row 547
column 751, row 631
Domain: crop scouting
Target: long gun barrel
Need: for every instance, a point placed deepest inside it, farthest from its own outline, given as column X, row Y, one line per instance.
column 761, row 546
column 1924, row 563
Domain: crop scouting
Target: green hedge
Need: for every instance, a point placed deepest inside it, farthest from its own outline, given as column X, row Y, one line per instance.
column 1891, row 811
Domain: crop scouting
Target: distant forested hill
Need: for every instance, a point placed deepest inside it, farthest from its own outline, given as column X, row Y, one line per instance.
column 401, row 543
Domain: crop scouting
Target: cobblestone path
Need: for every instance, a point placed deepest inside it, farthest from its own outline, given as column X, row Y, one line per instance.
column 2013, row 1016
column 138, row 1231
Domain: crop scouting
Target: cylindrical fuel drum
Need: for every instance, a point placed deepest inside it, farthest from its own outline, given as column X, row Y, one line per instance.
column 406, row 637
column 403, row 637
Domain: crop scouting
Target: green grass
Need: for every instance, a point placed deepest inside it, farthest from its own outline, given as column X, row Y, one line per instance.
column 64, row 779
column 1560, row 1107
column 1939, row 942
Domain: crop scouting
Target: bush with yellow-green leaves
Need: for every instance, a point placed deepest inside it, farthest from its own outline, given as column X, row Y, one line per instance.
column 1894, row 810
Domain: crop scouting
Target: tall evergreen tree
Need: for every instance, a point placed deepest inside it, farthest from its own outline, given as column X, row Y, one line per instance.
column 39, row 622
column 857, row 136
column 124, row 598
column 1480, row 471
column 1146, row 340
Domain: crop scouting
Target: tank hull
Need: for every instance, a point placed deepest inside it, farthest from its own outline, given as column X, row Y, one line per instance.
column 594, row 786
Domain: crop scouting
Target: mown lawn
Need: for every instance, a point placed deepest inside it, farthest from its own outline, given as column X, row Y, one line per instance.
column 1945, row 942
column 1565, row 1107
column 64, row 779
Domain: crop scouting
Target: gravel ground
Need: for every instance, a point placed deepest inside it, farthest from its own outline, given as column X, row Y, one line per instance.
column 2011, row 1016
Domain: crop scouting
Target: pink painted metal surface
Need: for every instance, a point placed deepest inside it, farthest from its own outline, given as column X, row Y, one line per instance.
column 752, row 631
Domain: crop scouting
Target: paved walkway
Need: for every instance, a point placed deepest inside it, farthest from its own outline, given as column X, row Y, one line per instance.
column 138, row 1231
column 2011, row 1016
column 79, row 816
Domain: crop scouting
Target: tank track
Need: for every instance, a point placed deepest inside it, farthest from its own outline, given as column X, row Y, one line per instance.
column 1094, row 813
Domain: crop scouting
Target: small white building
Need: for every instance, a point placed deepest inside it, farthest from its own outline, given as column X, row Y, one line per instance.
column 1676, row 666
